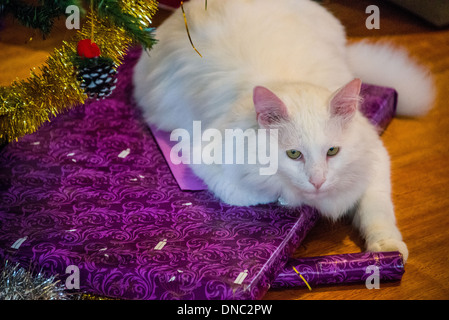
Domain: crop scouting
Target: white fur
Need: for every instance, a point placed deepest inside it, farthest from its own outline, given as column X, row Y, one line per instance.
column 297, row 50
column 385, row 65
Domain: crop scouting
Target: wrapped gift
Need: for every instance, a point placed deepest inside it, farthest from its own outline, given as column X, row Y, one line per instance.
column 343, row 268
column 379, row 105
column 90, row 197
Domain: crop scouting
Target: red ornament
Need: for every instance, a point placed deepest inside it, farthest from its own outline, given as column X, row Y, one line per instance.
column 88, row 49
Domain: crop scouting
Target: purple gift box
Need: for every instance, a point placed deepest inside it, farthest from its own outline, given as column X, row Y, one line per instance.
column 379, row 105
column 92, row 190
column 344, row 268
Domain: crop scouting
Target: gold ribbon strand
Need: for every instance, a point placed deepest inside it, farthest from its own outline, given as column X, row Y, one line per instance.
column 187, row 27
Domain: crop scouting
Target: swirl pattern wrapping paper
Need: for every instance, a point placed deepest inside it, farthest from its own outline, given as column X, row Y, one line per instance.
column 342, row 268
column 92, row 189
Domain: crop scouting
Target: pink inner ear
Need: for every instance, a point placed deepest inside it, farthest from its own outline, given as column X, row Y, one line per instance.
column 344, row 102
column 269, row 108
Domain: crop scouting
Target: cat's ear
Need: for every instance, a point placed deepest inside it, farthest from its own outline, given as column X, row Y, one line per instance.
column 269, row 108
column 344, row 102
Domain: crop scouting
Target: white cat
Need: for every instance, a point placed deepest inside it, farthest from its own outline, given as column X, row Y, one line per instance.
column 284, row 65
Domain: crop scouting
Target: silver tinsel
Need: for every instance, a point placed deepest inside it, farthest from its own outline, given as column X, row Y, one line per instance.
column 16, row 283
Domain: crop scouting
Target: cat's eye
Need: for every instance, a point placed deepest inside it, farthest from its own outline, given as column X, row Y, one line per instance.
column 294, row 154
column 333, row 151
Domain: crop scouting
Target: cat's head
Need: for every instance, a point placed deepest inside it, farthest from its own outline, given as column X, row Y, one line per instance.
column 316, row 144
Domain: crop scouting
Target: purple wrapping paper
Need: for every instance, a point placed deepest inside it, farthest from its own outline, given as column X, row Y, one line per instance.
column 379, row 105
column 184, row 176
column 344, row 268
column 92, row 189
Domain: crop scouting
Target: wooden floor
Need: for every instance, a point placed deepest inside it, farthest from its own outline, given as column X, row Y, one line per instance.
column 419, row 150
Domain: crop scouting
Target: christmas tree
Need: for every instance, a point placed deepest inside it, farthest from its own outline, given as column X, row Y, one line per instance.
column 65, row 80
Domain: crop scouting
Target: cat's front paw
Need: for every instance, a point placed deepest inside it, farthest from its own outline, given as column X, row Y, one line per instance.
column 389, row 245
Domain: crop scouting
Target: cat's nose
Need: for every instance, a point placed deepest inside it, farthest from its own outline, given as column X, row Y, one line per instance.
column 317, row 182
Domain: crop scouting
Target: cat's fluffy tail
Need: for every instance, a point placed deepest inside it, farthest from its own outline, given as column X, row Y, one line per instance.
column 385, row 65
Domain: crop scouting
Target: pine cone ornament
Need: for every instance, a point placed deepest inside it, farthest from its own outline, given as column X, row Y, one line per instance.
column 98, row 75
column 98, row 78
